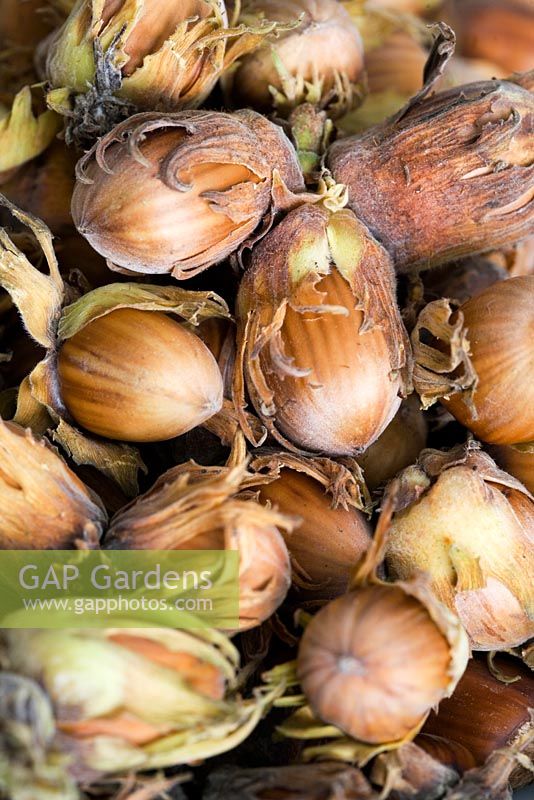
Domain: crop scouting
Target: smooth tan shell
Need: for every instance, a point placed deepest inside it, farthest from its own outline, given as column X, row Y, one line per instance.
column 328, row 542
column 500, row 329
column 138, row 376
column 350, row 396
column 373, row 663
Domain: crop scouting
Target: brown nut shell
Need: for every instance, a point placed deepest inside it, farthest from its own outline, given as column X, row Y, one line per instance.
column 138, row 376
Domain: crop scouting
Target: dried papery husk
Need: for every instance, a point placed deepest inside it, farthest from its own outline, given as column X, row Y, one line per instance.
column 292, row 782
column 411, row 773
column 397, row 447
column 469, row 526
column 488, row 711
column 44, row 188
column 318, row 60
column 138, row 699
column 464, row 279
column 111, row 57
column 518, row 460
column 191, row 507
column 449, row 157
column 41, row 298
column 31, row 765
column 25, row 131
column 372, row 663
column 322, row 350
column 193, row 187
column 498, row 31
column 477, row 360
column 333, row 532
column 43, row 504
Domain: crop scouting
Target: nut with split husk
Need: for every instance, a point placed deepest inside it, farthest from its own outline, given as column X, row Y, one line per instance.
column 489, row 710
column 177, row 193
column 372, row 663
column 469, row 526
column 116, row 364
column 322, row 349
column 208, row 508
column 111, row 57
column 448, row 176
column 319, row 59
column 478, row 360
column 333, row 532
column 128, row 700
column 43, row 504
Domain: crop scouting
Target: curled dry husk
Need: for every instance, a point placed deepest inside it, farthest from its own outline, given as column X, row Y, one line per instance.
column 127, row 700
column 318, row 59
column 43, row 504
column 518, row 460
column 470, row 527
column 478, row 360
column 449, row 175
column 333, row 533
column 397, row 447
column 488, row 711
column 24, row 131
column 294, row 782
column 193, row 186
column 111, row 57
column 192, row 507
column 493, row 30
column 42, row 302
column 322, row 349
column 372, row 663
